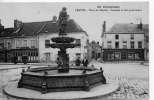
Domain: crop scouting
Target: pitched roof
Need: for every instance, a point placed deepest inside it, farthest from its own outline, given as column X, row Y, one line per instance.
column 128, row 28
column 52, row 27
column 46, row 27
column 7, row 32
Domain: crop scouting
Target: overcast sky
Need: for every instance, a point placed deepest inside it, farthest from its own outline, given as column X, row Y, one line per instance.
column 90, row 21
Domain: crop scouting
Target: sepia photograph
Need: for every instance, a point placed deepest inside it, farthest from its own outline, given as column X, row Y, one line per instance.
column 74, row 51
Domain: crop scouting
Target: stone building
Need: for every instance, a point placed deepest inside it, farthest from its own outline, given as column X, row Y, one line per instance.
column 19, row 41
column 50, row 30
column 30, row 39
column 2, row 52
column 95, row 50
column 124, row 42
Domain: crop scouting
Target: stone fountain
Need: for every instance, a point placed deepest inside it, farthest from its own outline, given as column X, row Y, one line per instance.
column 61, row 77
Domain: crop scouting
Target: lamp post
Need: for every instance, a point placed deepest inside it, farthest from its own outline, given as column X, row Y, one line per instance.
column 102, row 54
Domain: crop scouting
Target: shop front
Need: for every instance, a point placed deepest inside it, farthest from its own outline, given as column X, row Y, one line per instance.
column 123, row 54
column 12, row 54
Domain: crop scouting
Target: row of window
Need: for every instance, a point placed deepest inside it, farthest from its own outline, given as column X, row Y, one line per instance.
column 28, row 53
column 125, row 56
column 131, row 36
column 109, row 44
column 24, row 43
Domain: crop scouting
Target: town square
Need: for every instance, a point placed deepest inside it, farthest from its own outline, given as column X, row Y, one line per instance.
column 131, row 88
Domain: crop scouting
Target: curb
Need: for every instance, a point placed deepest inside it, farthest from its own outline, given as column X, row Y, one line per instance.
column 20, row 66
column 95, row 95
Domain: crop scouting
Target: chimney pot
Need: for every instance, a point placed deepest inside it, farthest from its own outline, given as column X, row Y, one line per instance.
column 140, row 25
column 104, row 26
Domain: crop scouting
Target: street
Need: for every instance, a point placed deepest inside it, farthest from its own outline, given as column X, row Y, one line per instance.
column 132, row 77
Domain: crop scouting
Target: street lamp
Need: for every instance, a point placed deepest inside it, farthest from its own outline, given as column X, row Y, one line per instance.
column 102, row 53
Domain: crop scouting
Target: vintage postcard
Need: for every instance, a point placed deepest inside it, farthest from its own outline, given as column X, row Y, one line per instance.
column 74, row 50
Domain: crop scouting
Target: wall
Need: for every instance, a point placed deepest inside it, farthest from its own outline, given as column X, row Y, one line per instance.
column 54, row 52
column 123, row 37
column 14, row 42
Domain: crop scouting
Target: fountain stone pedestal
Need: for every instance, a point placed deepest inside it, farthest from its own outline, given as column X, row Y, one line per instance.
column 63, row 42
column 64, row 67
column 62, row 77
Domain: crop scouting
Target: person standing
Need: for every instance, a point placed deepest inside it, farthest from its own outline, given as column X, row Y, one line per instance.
column 85, row 62
column 78, row 61
column 59, row 62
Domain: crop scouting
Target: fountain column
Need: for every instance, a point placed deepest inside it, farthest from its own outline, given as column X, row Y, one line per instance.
column 63, row 57
column 63, row 42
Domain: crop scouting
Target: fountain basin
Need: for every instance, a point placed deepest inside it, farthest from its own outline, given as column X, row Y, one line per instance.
column 64, row 45
column 63, row 39
column 49, row 80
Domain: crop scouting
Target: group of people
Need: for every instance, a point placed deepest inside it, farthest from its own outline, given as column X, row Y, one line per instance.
column 78, row 62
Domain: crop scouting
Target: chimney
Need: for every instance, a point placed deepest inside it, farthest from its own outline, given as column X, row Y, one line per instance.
column 54, row 19
column 17, row 24
column 1, row 27
column 104, row 26
column 140, row 25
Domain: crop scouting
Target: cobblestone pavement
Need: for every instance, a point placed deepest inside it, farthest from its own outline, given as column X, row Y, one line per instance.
column 133, row 79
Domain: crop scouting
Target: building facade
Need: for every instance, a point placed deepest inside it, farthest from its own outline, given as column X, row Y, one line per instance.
column 30, row 38
column 22, row 46
column 124, row 42
column 95, row 50
column 18, row 47
column 48, row 54
column 18, row 42
column 2, row 56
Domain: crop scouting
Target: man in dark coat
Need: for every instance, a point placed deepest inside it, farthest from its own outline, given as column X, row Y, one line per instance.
column 59, row 62
column 85, row 62
column 78, row 61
